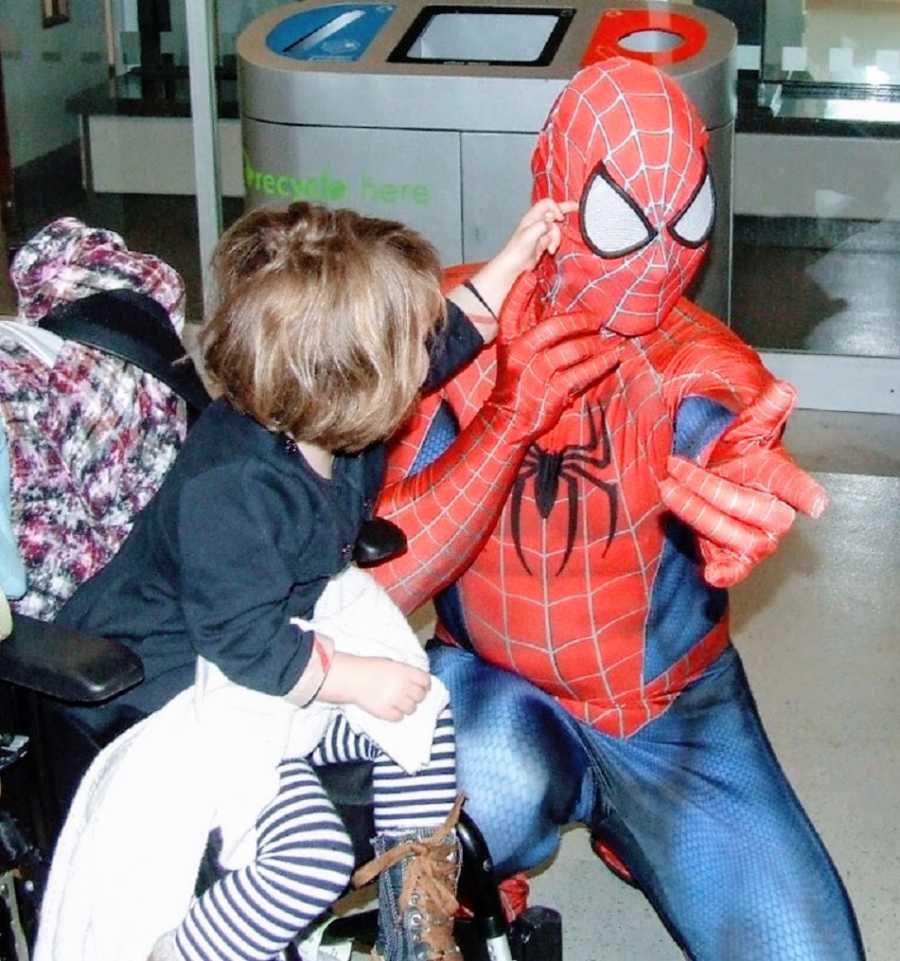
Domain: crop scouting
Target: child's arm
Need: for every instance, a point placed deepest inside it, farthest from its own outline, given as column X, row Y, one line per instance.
column 384, row 688
column 537, row 232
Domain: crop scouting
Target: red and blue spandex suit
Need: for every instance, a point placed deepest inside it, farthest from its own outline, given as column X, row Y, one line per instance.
column 584, row 545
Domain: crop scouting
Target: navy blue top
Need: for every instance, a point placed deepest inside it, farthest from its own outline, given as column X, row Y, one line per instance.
column 242, row 536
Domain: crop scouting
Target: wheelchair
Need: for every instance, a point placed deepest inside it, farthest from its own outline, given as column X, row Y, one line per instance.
column 44, row 749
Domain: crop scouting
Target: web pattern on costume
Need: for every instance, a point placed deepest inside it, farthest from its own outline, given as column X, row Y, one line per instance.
column 651, row 141
column 602, row 632
column 618, row 635
column 606, row 635
column 445, row 512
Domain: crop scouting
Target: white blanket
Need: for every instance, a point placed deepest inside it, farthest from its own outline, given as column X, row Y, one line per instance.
column 126, row 862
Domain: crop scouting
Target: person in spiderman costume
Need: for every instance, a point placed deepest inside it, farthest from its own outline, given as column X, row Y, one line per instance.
column 584, row 541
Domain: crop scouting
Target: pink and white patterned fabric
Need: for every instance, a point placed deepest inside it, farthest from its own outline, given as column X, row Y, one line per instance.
column 90, row 437
column 68, row 260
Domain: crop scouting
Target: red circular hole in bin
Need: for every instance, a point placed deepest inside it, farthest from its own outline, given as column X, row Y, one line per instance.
column 652, row 36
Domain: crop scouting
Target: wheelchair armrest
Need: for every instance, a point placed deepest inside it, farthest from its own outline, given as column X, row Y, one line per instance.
column 65, row 664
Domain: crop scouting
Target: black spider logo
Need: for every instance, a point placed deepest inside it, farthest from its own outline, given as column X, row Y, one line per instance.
column 548, row 468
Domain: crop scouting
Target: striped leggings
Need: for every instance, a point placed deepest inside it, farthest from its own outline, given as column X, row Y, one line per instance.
column 304, row 857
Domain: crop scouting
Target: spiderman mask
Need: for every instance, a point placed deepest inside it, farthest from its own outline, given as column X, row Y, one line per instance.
column 625, row 141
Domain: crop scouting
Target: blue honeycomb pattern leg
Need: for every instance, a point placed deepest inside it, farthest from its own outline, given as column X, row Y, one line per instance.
column 695, row 803
column 519, row 759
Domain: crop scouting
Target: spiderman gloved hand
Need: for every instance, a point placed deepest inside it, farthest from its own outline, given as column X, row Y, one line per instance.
column 450, row 506
column 542, row 365
column 745, row 500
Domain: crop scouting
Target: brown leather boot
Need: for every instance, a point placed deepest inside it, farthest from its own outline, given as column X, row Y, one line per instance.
column 417, row 873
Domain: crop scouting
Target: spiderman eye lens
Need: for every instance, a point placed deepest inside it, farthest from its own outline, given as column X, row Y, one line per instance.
column 694, row 224
column 611, row 222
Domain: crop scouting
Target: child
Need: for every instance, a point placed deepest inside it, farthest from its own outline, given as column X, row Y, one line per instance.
column 319, row 338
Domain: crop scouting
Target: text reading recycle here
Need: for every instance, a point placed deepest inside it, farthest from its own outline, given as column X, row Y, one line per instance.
column 324, row 188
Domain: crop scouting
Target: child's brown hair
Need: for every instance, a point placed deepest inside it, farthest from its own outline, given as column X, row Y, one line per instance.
column 319, row 322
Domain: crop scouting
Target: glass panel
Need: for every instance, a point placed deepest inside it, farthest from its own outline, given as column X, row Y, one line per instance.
column 817, row 231
column 747, row 15
column 833, row 42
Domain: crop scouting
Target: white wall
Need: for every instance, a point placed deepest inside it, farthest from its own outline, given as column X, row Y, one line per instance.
column 42, row 68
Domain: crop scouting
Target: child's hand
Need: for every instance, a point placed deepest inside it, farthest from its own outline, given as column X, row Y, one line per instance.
column 537, row 233
column 386, row 689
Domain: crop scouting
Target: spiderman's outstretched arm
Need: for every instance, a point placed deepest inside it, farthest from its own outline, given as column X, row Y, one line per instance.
column 450, row 508
column 740, row 493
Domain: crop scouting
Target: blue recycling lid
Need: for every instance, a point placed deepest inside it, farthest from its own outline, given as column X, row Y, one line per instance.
column 341, row 31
